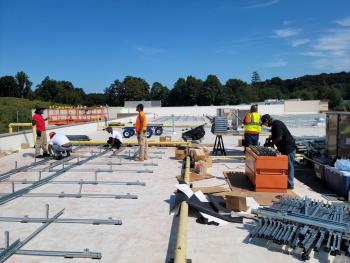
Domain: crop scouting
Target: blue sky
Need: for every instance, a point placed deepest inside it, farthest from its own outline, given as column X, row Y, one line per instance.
column 93, row 42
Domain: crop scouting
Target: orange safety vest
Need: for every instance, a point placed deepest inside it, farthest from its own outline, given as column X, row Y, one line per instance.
column 138, row 122
column 252, row 123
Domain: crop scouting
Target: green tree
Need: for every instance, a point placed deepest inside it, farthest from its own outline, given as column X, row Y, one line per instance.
column 8, row 87
column 135, row 89
column 255, row 78
column 23, row 83
column 159, row 92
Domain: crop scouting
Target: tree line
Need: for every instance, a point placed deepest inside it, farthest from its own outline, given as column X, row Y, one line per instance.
column 188, row 91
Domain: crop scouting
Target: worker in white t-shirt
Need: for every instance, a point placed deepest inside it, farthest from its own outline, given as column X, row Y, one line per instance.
column 60, row 145
column 116, row 140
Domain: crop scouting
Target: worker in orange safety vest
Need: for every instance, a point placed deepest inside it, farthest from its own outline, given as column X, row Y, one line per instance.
column 141, row 131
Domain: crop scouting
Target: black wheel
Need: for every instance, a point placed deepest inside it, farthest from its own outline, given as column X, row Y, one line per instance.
column 158, row 131
column 149, row 133
column 132, row 133
column 126, row 134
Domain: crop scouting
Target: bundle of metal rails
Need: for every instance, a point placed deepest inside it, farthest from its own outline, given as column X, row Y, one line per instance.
column 305, row 223
column 264, row 151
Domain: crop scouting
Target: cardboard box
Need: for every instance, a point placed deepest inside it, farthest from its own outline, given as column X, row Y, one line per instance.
column 198, row 154
column 24, row 146
column 209, row 162
column 236, row 203
column 164, row 138
column 180, row 154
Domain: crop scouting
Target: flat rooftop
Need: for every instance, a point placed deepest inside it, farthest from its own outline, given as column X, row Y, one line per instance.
column 148, row 231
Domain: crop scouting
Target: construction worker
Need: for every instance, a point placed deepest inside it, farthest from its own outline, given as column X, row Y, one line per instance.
column 116, row 140
column 282, row 138
column 41, row 139
column 141, row 129
column 252, row 126
column 59, row 145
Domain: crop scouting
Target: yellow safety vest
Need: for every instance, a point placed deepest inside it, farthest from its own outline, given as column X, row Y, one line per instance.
column 252, row 123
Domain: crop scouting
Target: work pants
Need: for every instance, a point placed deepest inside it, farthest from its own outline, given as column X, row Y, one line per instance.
column 41, row 142
column 142, row 140
column 291, row 160
column 251, row 139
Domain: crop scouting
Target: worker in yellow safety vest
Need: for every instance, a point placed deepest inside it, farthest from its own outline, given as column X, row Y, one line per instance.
column 141, row 131
column 252, row 126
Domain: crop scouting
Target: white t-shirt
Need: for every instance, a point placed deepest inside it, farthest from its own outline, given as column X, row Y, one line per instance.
column 59, row 139
column 116, row 135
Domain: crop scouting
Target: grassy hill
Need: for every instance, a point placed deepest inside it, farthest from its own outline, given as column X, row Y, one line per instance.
column 9, row 107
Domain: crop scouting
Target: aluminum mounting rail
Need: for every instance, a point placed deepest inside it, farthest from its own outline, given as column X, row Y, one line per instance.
column 6, row 175
column 53, row 253
column 77, row 195
column 17, row 245
column 303, row 219
column 107, row 170
column 26, row 219
column 8, row 197
column 77, row 182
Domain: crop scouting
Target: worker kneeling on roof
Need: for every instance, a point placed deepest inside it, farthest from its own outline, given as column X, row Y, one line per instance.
column 116, row 140
column 60, row 145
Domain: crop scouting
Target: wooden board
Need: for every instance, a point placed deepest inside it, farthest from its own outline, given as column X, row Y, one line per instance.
column 241, row 186
column 211, row 189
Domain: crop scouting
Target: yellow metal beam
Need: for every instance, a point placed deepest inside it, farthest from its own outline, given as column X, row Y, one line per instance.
column 23, row 124
column 181, row 238
column 228, row 157
column 129, row 143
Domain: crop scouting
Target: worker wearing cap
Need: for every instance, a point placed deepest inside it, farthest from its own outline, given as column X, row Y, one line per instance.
column 41, row 139
column 141, row 129
column 282, row 138
column 252, row 126
column 60, row 145
column 116, row 140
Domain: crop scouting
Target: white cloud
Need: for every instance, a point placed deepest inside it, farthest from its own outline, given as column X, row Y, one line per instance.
column 150, row 50
column 338, row 63
column 299, row 42
column 335, row 41
column 314, row 54
column 262, row 4
column 335, row 48
column 277, row 63
column 287, row 32
column 344, row 21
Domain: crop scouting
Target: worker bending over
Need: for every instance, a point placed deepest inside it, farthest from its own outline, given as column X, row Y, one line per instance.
column 141, row 129
column 116, row 140
column 252, row 126
column 282, row 138
column 60, row 145
column 41, row 140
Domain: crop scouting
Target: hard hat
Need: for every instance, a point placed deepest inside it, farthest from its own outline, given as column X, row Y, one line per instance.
column 51, row 134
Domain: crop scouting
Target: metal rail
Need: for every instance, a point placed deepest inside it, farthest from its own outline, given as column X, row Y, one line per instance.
column 8, row 197
column 78, row 195
column 53, row 253
column 26, row 219
column 130, row 143
column 78, row 182
column 9, row 251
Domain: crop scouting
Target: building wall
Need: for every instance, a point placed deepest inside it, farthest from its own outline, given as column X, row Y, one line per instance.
column 305, row 106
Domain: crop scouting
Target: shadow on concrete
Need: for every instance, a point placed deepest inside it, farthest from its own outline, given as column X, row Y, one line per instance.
column 306, row 175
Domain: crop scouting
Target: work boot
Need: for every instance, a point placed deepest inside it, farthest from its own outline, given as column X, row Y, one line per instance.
column 39, row 156
column 45, row 154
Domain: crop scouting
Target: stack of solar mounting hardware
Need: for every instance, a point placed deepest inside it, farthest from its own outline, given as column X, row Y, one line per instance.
column 264, row 151
column 305, row 223
column 219, row 125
